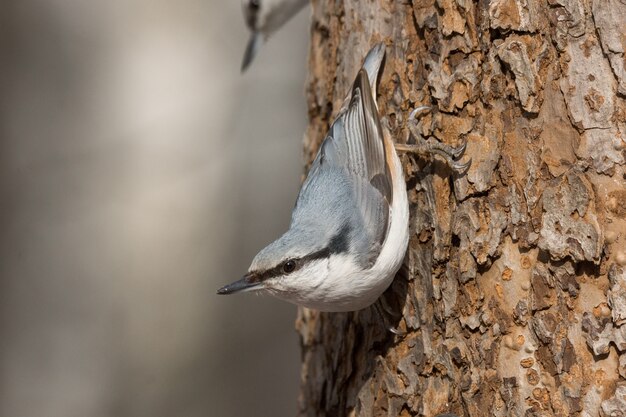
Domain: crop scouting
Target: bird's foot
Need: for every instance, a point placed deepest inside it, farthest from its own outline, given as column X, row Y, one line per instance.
column 428, row 147
column 385, row 314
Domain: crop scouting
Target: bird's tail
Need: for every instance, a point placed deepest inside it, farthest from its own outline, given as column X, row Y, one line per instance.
column 372, row 64
column 254, row 44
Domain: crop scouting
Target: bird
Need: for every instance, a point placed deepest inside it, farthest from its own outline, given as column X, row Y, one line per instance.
column 263, row 18
column 349, row 228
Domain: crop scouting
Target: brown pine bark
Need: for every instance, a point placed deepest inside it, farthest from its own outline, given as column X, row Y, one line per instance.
column 513, row 298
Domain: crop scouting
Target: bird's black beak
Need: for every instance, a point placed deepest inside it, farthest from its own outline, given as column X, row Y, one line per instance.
column 247, row 283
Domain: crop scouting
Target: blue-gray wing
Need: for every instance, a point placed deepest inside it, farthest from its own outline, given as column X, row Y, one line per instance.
column 354, row 146
column 355, row 140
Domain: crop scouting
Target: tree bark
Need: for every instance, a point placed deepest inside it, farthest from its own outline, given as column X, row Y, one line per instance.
column 513, row 295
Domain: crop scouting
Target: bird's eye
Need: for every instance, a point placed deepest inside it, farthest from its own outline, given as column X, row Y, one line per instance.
column 289, row 266
column 255, row 4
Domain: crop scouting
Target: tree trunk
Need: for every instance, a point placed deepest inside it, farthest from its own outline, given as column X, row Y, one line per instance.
column 513, row 298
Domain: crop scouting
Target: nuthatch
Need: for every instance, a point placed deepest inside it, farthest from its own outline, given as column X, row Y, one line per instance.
column 349, row 228
column 264, row 17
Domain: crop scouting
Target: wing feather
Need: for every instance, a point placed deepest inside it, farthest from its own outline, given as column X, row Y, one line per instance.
column 357, row 138
column 354, row 146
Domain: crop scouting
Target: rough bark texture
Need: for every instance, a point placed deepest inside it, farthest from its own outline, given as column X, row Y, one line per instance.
column 513, row 298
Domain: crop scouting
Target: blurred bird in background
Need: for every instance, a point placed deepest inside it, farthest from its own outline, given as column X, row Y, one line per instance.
column 128, row 190
column 263, row 18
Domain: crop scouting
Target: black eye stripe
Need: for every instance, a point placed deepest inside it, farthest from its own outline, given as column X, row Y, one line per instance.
column 259, row 276
column 338, row 244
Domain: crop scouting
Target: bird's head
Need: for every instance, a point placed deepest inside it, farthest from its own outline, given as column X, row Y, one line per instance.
column 252, row 12
column 296, row 265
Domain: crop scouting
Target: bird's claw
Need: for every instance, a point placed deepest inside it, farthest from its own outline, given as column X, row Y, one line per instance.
column 462, row 167
column 416, row 110
column 458, row 151
column 384, row 313
column 396, row 331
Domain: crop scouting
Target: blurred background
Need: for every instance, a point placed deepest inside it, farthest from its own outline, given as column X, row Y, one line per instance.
column 139, row 172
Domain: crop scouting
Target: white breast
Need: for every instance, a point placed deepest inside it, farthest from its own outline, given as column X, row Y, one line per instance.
column 345, row 287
